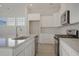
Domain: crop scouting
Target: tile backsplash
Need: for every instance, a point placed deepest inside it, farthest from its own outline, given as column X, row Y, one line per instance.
column 60, row 29
column 63, row 29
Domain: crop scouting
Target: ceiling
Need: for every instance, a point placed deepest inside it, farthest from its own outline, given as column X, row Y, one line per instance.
column 12, row 9
column 42, row 8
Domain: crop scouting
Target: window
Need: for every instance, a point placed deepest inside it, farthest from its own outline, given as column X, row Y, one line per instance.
column 2, row 21
column 11, row 21
column 16, row 21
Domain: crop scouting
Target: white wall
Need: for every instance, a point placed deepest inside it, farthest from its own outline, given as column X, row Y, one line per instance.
column 62, row 30
column 46, row 38
column 63, row 8
column 14, row 11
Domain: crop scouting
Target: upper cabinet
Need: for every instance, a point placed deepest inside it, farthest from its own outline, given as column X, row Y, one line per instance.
column 50, row 21
column 46, row 21
column 56, row 19
column 74, row 12
column 34, row 17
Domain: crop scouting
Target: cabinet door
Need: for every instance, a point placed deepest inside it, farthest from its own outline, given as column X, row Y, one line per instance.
column 63, row 49
column 22, row 53
column 74, row 9
column 50, row 21
column 63, row 52
column 30, row 48
column 27, row 51
column 17, row 50
column 47, row 21
column 34, row 17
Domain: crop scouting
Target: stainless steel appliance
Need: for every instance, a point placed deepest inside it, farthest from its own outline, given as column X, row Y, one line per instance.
column 73, row 32
column 65, row 18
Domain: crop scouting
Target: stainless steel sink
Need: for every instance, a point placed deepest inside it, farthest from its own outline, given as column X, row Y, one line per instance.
column 21, row 38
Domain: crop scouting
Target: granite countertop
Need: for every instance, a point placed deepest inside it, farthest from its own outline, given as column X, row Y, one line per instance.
column 72, row 43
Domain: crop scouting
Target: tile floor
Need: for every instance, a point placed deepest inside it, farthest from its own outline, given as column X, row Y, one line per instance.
column 46, row 50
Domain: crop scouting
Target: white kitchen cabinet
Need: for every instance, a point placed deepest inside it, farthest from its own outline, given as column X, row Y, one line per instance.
column 63, row 51
column 34, row 17
column 22, row 53
column 66, row 48
column 50, row 20
column 53, row 20
column 46, row 21
column 30, row 48
column 56, row 20
column 74, row 9
column 26, row 48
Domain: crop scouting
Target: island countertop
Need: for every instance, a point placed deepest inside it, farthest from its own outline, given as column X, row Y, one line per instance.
column 11, row 42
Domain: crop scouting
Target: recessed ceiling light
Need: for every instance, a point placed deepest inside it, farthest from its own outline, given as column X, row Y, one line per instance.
column 30, row 4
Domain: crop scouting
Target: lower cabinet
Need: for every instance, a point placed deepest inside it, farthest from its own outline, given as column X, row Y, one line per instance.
column 29, row 49
column 26, row 48
column 22, row 53
column 66, row 50
column 63, row 52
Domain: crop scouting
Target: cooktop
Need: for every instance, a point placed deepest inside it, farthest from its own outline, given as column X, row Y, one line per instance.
column 64, row 36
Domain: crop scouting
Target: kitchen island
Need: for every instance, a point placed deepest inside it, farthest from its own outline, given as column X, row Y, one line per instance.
column 69, row 47
column 19, row 47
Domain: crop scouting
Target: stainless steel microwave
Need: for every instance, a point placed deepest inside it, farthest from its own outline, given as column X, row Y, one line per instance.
column 65, row 18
